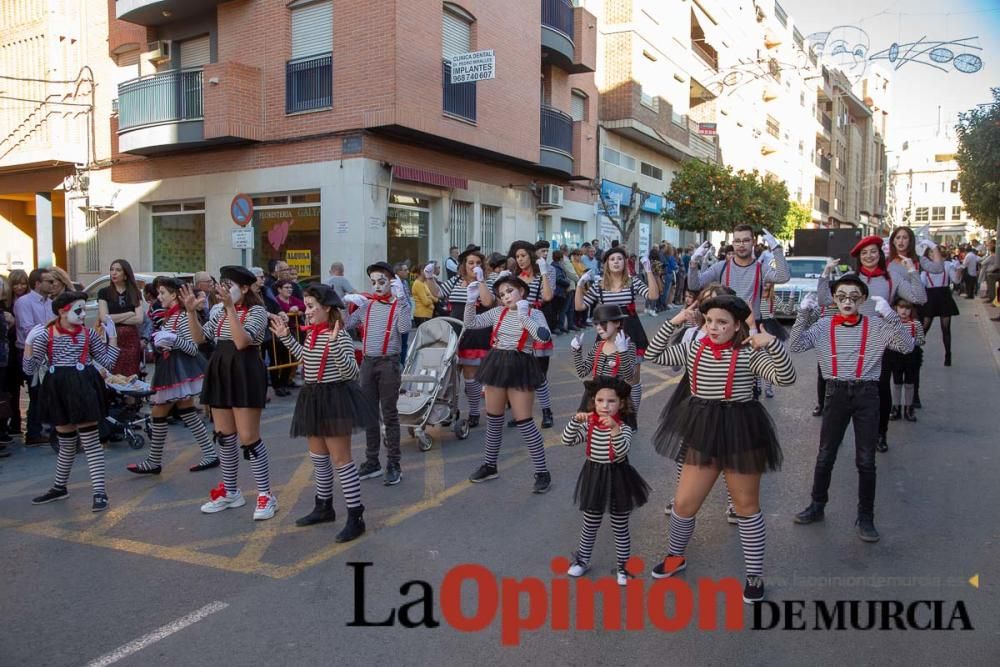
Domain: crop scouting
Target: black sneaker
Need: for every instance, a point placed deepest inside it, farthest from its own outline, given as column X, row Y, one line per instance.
column 483, row 473
column 753, row 589
column 55, row 493
column 547, row 418
column 895, row 413
column 811, row 514
column 543, row 482
column 369, row 469
column 393, row 475
column 473, row 421
column 882, row 445
column 100, row 502
column 866, row 529
column 817, row 411
column 669, row 566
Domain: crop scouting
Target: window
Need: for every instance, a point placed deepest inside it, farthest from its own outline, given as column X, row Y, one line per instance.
column 921, row 215
column 773, row 127
column 407, row 226
column 942, row 186
column 611, row 156
column 490, row 221
column 651, row 171
column 937, row 213
column 286, row 230
column 572, row 232
column 309, row 74
column 540, row 226
column 460, row 223
column 954, row 185
column 647, row 81
column 91, row 245
column 578, row 106
column 802, row 148
column 179, row 236
column 459, row 99
column 195, row 52
column 956, row 212
column 647, row 99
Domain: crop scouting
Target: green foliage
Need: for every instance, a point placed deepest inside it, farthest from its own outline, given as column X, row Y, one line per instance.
column 979, row 161
column 798, row 216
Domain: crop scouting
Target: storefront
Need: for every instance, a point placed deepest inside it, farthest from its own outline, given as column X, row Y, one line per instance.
column 408, row 229
column 287, row 227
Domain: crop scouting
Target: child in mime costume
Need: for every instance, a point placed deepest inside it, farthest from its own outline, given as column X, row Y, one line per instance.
column 613, row 354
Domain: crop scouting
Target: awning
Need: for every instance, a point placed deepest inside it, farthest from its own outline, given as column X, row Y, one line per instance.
column 429, row 177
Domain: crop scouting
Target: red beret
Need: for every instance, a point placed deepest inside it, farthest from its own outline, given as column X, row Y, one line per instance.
column 866, row 241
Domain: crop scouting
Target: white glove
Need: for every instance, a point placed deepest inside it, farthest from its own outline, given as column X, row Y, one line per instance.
column 808, row 302
column 701, row 250
column 882, row 306
column 543, row 266
column 587, row 277
column 522, row 308
column 621, row 342
column 576, row 342
column 109, row 327
column 429, row 270
column 356, row 299
column 646, row 265
column 503, row 274
column 164, row 339
column 479, row 273
column 769, row 239
column 34, row 333
column 397, row 288
column 472, row 292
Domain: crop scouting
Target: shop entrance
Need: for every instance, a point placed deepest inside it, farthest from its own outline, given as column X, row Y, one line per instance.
column 408, row 229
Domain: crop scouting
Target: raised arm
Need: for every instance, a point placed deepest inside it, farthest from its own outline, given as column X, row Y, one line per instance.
column 661, row 352
column 471, row 320
column 580, row 364
column 896, row 332
column 779, row 273
column 772, row 363
column 621, row 442
column 573, row 434
column 105, row 354
column 804, row 331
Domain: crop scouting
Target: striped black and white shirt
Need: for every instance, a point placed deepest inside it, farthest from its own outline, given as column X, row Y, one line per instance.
column 622, row 297
column 534, row 296
column 710, row 376
column 813, row 332
column 67, row 351
column 600, row 443
column 379, row 339
column 619, row 364
column 454, row 291
column 916, row 331
column 334, row 355
column 746, row 281
column 510, row 334
column 254, row 321
column 178, row 324
column 902, row 282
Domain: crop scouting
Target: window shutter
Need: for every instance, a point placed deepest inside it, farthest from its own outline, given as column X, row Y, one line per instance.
column 578, row 106
column 456, row 35
column 312, row 30
column 196, row 52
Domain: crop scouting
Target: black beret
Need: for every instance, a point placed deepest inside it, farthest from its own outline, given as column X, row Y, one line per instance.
column 324, row 294
column 736, row 306
column 619, row 386
column 383, row 267
column 65, row 299
column 520, row 284
column 521, row 245
column 237, row 274
column 471, row 250
column 617, row 249
column 850, row 279
column 608, row 312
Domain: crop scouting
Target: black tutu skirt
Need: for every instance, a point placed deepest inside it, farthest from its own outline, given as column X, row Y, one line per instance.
column 69, row 396
column 510, row 369
column 331, row 409
column 235, row 378
column 636, row 333
column 775, row 328
column 610, row 487
column 731, row 435
column 585, row 407
column 178, row 376
column 475, row 343
column 680, row 396
column 939, row 303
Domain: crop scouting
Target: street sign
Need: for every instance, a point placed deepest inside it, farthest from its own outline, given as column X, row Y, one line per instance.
column 241, row 209
column 243, row 238
column 474, row 66
column 708, row 129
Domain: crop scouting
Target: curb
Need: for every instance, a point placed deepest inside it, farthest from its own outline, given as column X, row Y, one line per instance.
column 990, row 331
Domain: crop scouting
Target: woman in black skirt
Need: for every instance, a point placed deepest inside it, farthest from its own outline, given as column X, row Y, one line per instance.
column 607, row 481
column 72, row 396
column 235, row 385
column 534, row 272
column 613, row 355
column 510, row 373
column 940, row 303
column 177, row 380
column 475, row 344
column 617, row 287
column 330, row 406
column 723, row 428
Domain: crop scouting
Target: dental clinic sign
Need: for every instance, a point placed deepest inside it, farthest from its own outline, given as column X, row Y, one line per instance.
column 474, row 66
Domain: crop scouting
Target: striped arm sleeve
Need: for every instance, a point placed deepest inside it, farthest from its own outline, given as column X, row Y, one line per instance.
column 622, row 442
column 342, row 356
column 573, row 434
column 294, row 347
column 661, row 352
column 804, row 331
column 104, row 353
column 582, row 369
column 773, row 364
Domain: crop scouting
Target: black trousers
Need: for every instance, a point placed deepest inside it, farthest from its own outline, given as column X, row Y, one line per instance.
column 820, row 387
column 970, row 286
column 846, row 402
column 884, row 396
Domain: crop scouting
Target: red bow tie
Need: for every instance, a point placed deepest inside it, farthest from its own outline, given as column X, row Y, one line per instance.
column 314, row 331
column 872, row 273
column 595, row 421
column 381, row 298
column 717, row 348
column 845, row 319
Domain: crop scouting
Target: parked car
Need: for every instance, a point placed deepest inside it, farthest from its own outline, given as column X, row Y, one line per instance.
column 805, row 278
column 140, row 278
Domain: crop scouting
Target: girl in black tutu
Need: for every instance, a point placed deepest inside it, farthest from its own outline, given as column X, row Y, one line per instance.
column 510, row 373
column 330, row 406
column 607, row 482
column 235, row 385
column 618, row 288
column 940, row 303
column 535, row 273
column 613, row 355
column 723, row 427
column 180, row 369
column 72, row 395
column 475, row 344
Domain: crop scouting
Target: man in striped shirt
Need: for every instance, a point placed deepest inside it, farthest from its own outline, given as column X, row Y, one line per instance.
column 849, row 347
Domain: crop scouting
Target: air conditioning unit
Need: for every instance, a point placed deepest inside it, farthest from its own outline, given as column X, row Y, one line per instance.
column 159, row 51
column 552, row 196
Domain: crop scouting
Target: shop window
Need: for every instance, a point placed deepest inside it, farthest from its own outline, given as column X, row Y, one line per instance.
column 289, row 232
column 179, row 237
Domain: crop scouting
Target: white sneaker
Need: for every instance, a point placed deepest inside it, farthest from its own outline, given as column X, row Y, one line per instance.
column 224, row 502
column 578, row 569
column 266, row 506
column 623, row 576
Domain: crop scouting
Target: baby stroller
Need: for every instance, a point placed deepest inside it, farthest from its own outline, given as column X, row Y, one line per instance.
column 429, row 387
column 126, row 419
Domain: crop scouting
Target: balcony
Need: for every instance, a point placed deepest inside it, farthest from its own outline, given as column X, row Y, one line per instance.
column 827, row 124
column 160, row 12
column 706, row 54
column 824, row 167
column 567, row 41
column 556, row 139
column 458, row 99
column 824, row 207
column 309, row 83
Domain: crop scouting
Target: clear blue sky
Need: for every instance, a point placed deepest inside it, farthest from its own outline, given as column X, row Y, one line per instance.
column 917, row 89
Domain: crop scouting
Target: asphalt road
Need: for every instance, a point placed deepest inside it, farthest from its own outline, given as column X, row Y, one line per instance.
column 154, row 582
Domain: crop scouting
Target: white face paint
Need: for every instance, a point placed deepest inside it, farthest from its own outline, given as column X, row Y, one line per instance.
column 607, row 330
column 848, row 298
column 380, row 283
column 76, row 313
column 235, row 292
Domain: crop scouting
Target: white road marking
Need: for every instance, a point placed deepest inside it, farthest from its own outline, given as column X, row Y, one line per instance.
column 158, row 634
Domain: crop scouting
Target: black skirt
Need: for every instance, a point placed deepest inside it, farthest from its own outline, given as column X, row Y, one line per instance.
column 610, row 487
column 69, row 396
column 636, row 333
column 178, row 376
column 680, row 396
column 775, row 328
column 331, row 409
column 939, row 303
column 731, row 435
column 235, row 378
column 510, row 369
column 475, row 343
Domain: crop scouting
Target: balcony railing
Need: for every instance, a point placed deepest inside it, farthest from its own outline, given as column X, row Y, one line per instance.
column 824, row 207
column 780, row 14
column 827, row 123
column 558, row 15
column 823, row 164
column 169, row 97
column 709, row 57
column 309, row 83
column 458, row 99
column 773, row 127
column 556, row 130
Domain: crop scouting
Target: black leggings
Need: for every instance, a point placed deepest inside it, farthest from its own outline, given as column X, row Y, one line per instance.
column 820, row 387
column 945, row 331
column 884, row 397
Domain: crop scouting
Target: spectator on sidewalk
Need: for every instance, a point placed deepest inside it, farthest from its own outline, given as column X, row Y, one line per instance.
column 30, row 310
column 971, row 276
column 338, row 282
